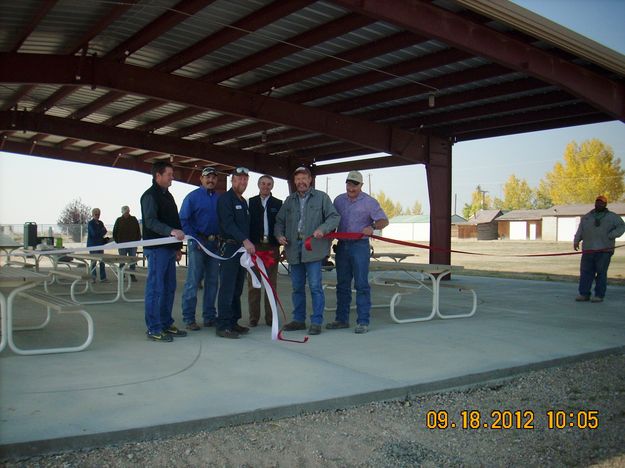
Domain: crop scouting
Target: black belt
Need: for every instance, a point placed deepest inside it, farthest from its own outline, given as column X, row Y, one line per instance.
column 211, row 237
column 230, row 241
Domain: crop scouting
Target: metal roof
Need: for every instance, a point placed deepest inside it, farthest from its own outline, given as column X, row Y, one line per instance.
column 274, row 84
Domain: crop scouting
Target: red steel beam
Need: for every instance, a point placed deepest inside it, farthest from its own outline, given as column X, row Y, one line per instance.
column 28, row 121
column 526, row 118
column 252, row 22
column 427, row 19
column 535, row 126
column 115, row 12
column 315, row 36
column 461, row 97
column 519, row 105
column 177, row 14
column 395, row 42
column 390, row 72
column 44, row 7
column 136, row 80
column 453, row 79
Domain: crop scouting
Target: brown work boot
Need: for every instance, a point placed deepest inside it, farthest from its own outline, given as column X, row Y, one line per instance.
column 581, row 298
column 294, row 325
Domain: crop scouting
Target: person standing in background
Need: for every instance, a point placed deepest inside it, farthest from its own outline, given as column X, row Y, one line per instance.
column 126, row 229
column 95, row 236
column 597, row 230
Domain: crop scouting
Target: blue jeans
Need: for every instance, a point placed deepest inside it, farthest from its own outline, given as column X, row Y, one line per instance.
column 160, row 288
column 352, row 262
column 231, row 279
column 594, row 266
column 128, row 252
column 201, row 267
column 92, row 267
column 299, row 272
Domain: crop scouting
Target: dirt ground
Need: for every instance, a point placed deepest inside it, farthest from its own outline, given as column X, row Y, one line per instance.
column 502, row 259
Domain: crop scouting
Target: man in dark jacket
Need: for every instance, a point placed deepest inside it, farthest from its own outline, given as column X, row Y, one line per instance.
column 263, row 210
column 95, row 236
column 234, row 227
column 597, row 231
column 159, row 215
column 127, row 229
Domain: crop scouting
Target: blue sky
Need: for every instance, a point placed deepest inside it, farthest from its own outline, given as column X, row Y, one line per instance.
column 37, row 189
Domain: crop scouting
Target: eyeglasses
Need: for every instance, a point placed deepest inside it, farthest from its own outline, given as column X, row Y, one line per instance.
column 352, row 182
column 242, row 170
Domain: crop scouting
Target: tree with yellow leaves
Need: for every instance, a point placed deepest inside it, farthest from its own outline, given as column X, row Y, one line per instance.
column 390, row 209
column 588, row 170
column 517, row 195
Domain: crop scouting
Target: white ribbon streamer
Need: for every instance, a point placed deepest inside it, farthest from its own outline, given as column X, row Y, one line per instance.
column 246, row 262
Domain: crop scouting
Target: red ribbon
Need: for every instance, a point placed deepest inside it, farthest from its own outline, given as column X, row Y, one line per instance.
column 271, row 261
column 359, row 235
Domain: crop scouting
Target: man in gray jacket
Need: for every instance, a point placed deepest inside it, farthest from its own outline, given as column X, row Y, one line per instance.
column 597, row 230
column 306, row 212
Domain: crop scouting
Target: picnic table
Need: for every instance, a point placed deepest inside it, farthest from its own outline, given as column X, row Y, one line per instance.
column 395, row 256
column 118, row 263
column 418, row 276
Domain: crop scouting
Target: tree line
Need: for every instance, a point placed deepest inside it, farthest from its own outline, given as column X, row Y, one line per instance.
column 588, row 169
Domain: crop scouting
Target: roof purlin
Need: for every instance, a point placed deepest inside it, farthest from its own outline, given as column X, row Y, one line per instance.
column 29, row 121
column 92, row 71
column 426, row 19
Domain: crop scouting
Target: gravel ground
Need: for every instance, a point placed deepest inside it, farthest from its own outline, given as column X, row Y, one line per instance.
column 395, row 433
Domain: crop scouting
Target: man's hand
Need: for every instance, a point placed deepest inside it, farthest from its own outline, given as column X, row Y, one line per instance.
column 368, row 231
column 178, row 255
column 576, row 245
column 318, row 234
column 249, row 247
column 178, row 234
column 282, row 240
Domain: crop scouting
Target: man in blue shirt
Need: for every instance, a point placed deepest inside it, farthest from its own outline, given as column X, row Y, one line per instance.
column 234, row 229
column 359, row 213
column 159, row 215
column 198, row 216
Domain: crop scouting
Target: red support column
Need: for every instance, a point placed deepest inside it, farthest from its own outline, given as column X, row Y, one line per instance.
column 438, row 171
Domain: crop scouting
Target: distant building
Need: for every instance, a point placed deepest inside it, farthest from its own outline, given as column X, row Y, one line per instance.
column 408, row 227
column 521, row 224
column 481, row 226
column 414, row 227
column 560, row 222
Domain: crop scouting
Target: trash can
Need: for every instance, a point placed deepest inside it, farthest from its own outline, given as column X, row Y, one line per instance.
column 30, row 235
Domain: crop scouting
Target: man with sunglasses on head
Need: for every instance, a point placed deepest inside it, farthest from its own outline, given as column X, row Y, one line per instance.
column 597, row 230
column 198, row 215
column 234, row 225
column 306, row 212
column 359, row 213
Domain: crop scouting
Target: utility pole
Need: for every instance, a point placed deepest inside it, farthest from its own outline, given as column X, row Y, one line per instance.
column 370, row 191
column 327, row 178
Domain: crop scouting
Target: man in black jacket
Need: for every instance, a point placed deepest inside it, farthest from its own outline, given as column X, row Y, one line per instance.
column 159, row 215
column 263, row 210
